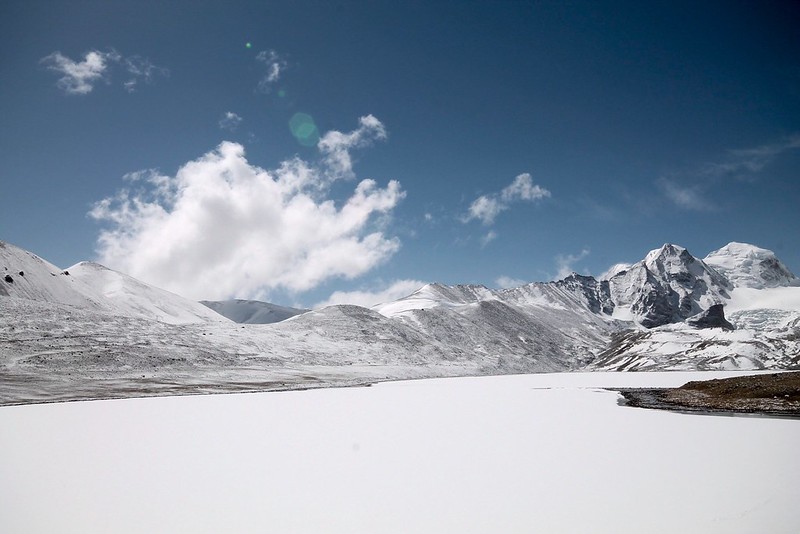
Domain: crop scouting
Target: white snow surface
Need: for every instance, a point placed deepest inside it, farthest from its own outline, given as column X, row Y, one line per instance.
column 532, row 453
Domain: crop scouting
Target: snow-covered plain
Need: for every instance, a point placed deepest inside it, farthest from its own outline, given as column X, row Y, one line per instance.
column 525, row 453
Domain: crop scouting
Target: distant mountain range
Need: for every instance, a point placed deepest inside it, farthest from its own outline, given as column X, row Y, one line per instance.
column 89, row 331
column 252, row 311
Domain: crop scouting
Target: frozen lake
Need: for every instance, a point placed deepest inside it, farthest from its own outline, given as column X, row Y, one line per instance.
column 529, row 453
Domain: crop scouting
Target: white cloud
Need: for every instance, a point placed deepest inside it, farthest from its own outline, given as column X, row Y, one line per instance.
column 490, row 236
column 222, row 227
column 275, row 66
column 80, row 77
column 336, row 145
column 396, row 290
column 685, row 197
column 744, row 165
column 141, row 70
column 750, row 160
column 506, row 282
column 230, row 121
column 565, row 263
column 523, row 188
column 487, row 207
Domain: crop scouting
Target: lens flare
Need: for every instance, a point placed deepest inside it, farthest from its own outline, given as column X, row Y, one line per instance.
column 248, row 45
column 303, row 129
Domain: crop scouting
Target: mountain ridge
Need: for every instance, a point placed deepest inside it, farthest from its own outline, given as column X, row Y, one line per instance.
column 667, row 311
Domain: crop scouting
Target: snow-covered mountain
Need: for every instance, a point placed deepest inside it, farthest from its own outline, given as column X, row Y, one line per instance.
column 252, row 311
column 750, row 266
column 91, row 286
column 667, row 286
column 95, row 331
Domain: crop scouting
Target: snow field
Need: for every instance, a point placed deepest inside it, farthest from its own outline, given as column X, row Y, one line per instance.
column 525, row 453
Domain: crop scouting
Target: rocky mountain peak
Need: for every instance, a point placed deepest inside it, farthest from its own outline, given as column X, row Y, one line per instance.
column 668, row 285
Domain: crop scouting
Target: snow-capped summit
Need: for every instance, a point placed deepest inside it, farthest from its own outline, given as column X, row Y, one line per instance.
column 668, row 285
column 751, row 266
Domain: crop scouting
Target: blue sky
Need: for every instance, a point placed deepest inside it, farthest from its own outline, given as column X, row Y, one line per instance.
column 507, row 141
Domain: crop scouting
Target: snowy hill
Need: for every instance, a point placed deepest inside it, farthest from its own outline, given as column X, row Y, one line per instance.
column 95, row 330
column 127, row 296
column 251, row 311
column 90, row 286
column 26, row 275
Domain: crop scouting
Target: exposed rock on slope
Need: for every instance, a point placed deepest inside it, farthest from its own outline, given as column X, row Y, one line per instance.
column 713, row 317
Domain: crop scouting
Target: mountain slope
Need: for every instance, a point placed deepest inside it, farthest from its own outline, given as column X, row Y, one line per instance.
column 128, row 296
column 26, row 275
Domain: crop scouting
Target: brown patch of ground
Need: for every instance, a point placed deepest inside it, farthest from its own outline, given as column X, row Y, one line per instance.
column 775, row 394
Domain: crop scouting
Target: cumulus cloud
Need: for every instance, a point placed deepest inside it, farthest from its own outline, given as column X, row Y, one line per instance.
column 230, row 121
column 506, row 282
column 336, row 146
column 396, row 290
column 222, row 227
column 565, row 263
column 275, row 65
column 80, row 77
column 487, row 207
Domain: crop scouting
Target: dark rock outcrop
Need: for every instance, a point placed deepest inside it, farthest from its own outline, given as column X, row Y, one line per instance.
column 713, row 317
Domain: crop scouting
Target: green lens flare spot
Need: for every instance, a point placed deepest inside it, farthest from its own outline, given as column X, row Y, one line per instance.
column 303, row 129
column 248, row 45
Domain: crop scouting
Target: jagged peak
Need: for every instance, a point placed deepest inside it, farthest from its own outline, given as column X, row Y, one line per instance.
column 667, row 252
